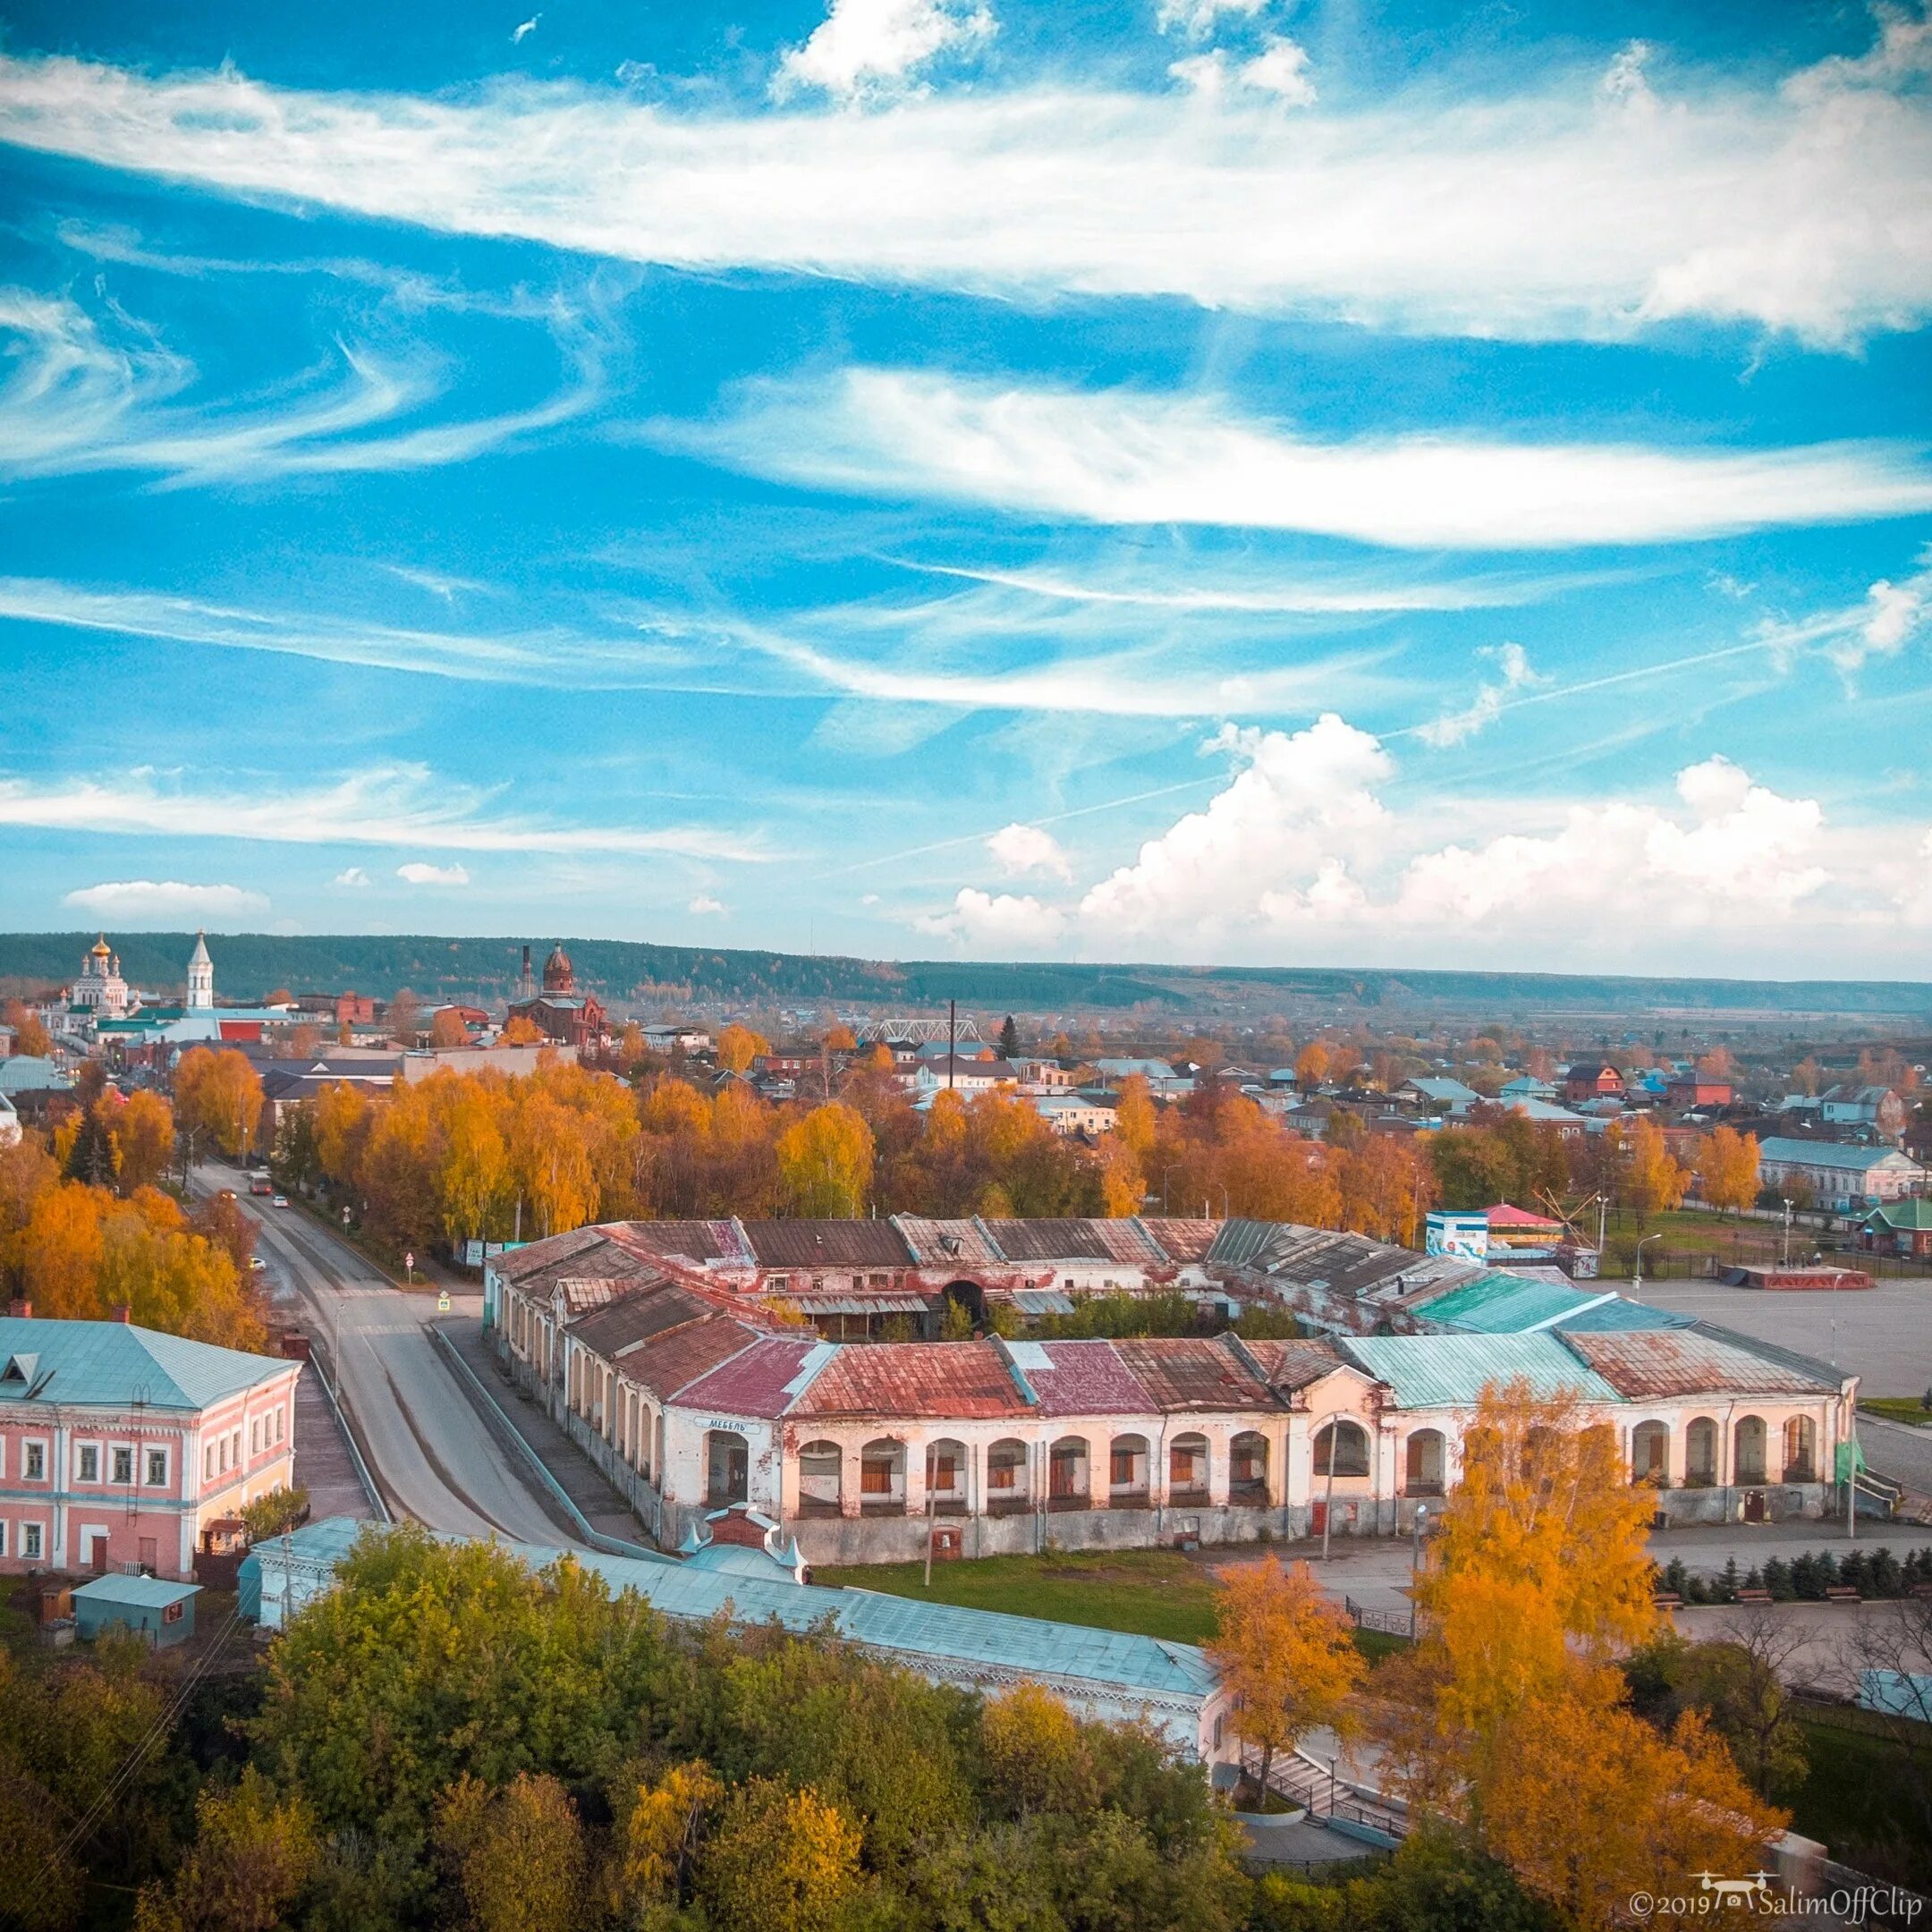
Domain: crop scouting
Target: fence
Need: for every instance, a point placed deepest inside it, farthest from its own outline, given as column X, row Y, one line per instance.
column 1670, row 1264
column 1390, row 1622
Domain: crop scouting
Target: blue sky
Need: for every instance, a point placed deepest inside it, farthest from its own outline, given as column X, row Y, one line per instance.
column 1261, row 482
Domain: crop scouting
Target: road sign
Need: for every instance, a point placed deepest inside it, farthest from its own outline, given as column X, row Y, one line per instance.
column 442, row 1303
column 409, row 1260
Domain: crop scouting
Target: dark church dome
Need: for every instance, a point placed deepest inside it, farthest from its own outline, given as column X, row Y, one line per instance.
column 558, row 974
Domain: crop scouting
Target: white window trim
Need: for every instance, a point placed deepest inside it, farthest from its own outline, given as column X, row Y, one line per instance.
column 79, row 1449
column 133, row 1450
column 39, row 1528
column 45, row 1447
column 167, row 1466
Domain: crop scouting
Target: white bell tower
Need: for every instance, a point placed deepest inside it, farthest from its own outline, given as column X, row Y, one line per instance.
column 201, row 977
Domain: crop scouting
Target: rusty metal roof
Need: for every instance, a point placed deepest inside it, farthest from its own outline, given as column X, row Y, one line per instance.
column 762, row 1380
column 941, row 1244
column 1190, row 1374
column 1048, row 1241
column 937, row 1379
column 809, row 1244
column 691, row 1241
column 1662, row 1362
column 518, row 1264
column 648, row 1311
column 1295, row 1365
column 683, row 1354
column 1182, row 1240
column 1079, row 1378
column 1129, row 1242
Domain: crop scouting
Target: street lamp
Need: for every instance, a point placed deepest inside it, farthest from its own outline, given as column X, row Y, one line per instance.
column 1787, row 1234
column 1415, row 1561
column 1635, row 1280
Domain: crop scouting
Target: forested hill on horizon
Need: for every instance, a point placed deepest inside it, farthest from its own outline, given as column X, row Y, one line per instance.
column 249, row 965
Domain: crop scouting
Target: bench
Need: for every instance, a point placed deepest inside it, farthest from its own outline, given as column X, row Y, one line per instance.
column 1840, row 1593
column 1754, row 1596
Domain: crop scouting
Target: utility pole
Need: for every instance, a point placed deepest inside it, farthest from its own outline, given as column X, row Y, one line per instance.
column 1786, row 1263
column 952, row 1039
column 1327, row 1514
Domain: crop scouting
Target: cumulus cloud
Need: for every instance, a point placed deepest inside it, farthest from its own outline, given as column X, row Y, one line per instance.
column 1019, row 849
column 706, row 905
column 990, row 921
column 1282, row 69
column 1562, row 207
column 163, row 902
column 868, row 48
column 352, row 877
column 419, row 872
column 1515, row 675
column 1886, row 619
column 1293, row 795
column 1126, row 457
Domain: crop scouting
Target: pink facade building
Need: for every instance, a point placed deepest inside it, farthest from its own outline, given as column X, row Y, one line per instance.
column 118, row 1445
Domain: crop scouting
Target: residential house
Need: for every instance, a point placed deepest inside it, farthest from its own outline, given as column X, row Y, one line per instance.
column 1877, row 1109
column 1592, row 1080
column 1840, row 1177
column 1899, row 1227
column 1698, row 1090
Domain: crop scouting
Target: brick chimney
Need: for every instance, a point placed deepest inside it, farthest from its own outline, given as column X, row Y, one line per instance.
column 20, row 1307
column 120, row 1312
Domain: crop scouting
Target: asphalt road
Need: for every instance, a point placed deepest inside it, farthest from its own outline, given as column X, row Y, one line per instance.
column 430, row 1449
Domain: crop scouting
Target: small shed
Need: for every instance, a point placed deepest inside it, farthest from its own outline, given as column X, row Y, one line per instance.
column 162, row 1613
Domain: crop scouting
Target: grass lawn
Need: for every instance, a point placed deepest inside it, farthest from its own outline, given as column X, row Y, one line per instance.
column 1153, row 1593
column 1854, row 1799
column 1897, row 1408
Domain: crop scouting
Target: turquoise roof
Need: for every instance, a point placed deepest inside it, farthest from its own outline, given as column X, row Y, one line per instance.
column 1904, row 1215
column 1501, row 1303
column 921, row 1631
column 1452, row 1371
column 1620, row 1312
column 112, row 1364
column 134, row 1592
column 31, row 1074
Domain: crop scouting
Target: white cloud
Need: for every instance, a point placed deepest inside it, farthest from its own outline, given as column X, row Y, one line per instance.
column 982, row 922
column 1282, row 69
column 1453, row 727
column 1197, row 19
column 1205, row 74
column 1562, row 208
column 1019, row 849
column 706, row 905
column 1887, row 618
column 1124, row 457
column 1294, row 794
column 163, row 902
column 384, row 805
column 524, row 29
column 352, row 877
column 870, row 47
column 418, row 872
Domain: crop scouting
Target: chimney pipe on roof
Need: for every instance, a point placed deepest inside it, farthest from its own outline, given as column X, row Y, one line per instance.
column 21, row 1308
column 121, row 1312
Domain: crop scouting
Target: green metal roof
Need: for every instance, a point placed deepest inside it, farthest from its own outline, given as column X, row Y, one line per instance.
column 1452, row 1371
column 114, row 1364
column 134, row 1592
column 1905, row 1216
column 1502, row 1303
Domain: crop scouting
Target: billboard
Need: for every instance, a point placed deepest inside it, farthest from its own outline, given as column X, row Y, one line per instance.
column 1465, row 1236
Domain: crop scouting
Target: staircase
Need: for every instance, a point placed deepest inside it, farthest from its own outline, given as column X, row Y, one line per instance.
column 1301, row 1781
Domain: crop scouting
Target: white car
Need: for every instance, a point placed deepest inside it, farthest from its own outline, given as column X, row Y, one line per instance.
column 281, row 1200
column 257, row 1266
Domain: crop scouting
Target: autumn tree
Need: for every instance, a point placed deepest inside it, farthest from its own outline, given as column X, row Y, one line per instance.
column 659, row 1832
column 144, row 1134
column 824, row 1162
column 783, row 1861
column 1037, row 1755
column 1727, row 1169
column 1133, row 1115
column 404, row 1017
column 29, row 1036
column 254, row 1852
column 218, row 1095
column 738, row 1046
column 518, row 1855
column 447, row 1029
column 1311, row 1065
column 1651, row 1181
column 521, row 1031
column 1286, row 1654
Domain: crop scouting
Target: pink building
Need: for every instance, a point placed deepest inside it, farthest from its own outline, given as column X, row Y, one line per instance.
column 119, row 1444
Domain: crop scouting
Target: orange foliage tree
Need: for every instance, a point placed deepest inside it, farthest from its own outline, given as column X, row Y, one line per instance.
column 218, row 1094
column 1727, row 1168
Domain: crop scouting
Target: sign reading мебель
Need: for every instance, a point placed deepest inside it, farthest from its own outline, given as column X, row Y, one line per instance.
column 1464, row 1235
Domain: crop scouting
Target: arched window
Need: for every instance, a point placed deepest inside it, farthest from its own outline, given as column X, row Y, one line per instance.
column 1006, row 1485
column 1348, row 1443
column 1248, row 1470
column 1187, row 1469
column 821, row 1470
column 1748, row 1450
column 1127, row 1471
column 882, row 1478
column 1067, row 1474
column 946, row 1476
column 727, row 1467
column 1650, row 1454
column 1422, row 1462
column 1700, row 1453
column 1801, row 1450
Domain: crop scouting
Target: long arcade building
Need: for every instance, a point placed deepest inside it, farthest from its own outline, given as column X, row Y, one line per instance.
column 693, row 1391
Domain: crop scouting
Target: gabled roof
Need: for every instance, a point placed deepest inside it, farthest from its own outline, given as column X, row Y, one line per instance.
column 649, row 1310
column 114, row 1364
column 764, row 1379
column 1506, row 1216
column 1296, row 1365
column 1182, row 1239
column 827, row 1244
column 1192, row 1375
column 1906, row 1216
column 1829, row 1154
column 1078, row 1378
column 1452, row 1371
column 1681, row 1361
column 686, row 1240
column 967, row 1379
column 947, row 1243
column 1047, row 1241
column 684, row 1353
column 1503, row 1304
